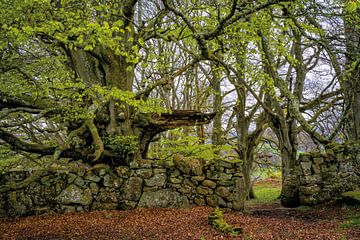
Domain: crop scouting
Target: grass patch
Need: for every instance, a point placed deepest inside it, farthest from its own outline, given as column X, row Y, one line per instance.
column 352, row 219
column 352, row 222
column 266, row 192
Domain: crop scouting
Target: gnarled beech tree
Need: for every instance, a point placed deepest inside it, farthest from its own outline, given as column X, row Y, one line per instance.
column 67, row 80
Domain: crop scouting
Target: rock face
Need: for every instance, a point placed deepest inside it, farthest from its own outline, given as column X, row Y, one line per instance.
column 145, row 183
column 322, row 177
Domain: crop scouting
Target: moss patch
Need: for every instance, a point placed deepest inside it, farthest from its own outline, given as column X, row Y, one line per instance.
column 352, row 194
column 217, row 221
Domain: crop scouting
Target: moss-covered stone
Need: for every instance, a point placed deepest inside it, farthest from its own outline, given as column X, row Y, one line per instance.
column 94, row 188
column 74, row 195
column 132, row 188
column 306, row 167
column 101, row 169
column 144, row 173
column 163, row 198
column 199, row 201
column 204, row 190
column 79, row 181
column 223, row 192
column 310, row 189
column 157, row 180
column 209, row 183
column 107, row 195
column 92, row 177
column 215, row 201
column 198, row 178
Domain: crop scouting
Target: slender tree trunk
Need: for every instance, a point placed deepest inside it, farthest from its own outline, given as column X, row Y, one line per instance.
column 352, row 82
column 217, row 106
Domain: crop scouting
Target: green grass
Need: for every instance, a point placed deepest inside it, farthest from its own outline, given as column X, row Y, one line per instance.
column 352, row 219
column 266, row 192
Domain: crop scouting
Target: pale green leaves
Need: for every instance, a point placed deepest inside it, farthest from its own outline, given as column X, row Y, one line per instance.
column 352, row 5
column 126, row 98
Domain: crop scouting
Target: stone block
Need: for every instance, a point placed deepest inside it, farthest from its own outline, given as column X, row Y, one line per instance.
column 185, row 189
column 159, row 170
column 198, row 178
column 225, row 164
column 215, row 200
column 71, row 178
column 209, row 183
column 204, row 191
column 316, row 168
column 144, row 173
column 199, row 201
column 305, row 158
column 143, row 163
column 101, row 169
column 318, row 160
column 230, row 171
column 310, row 189
column 163, row 198
column 74, row 195
column 123, row 171
column 107, row 195
column 156, row 180
column 131, row 189
column 226, row 183
column 94, row 188
column 312, row 179
column 223, row 192
column 112, row 181
column 175, row 180
column 92, row 177
column 189, row 166
column 306, row 168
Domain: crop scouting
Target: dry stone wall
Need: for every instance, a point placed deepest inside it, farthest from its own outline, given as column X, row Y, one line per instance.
column 145, row 183
column 322, row 177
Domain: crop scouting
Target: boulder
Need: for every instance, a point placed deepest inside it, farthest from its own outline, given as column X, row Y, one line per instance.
column 310, row 189
column 209, row 183
column 157, row 180
column 188, row 166
column 74, row 195
column 215, row 201
column 132, row 188
column 144, row 173
column 306, row 168
column 163, row 198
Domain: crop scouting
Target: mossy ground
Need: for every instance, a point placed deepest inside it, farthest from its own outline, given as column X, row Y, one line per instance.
column 267, row 191
column 352, row 219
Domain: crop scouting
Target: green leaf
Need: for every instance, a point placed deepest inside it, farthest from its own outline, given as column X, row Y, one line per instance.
column 351, row 6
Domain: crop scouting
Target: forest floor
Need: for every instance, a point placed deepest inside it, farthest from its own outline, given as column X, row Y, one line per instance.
column 261, row 221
